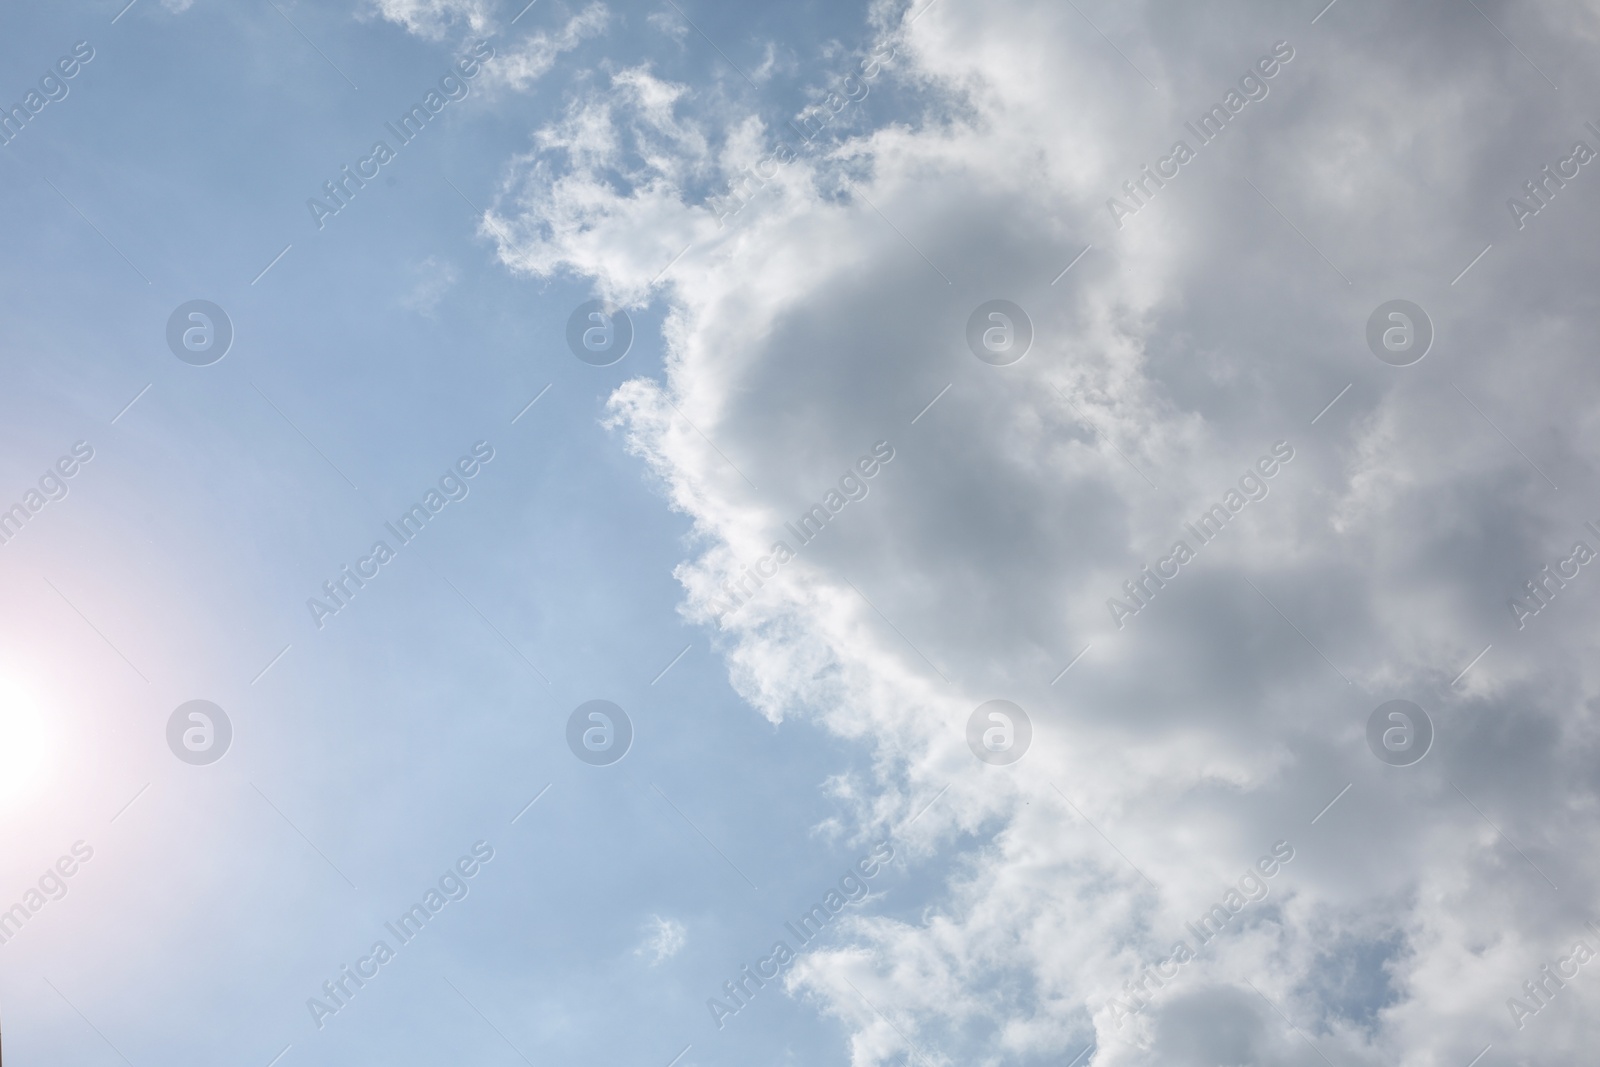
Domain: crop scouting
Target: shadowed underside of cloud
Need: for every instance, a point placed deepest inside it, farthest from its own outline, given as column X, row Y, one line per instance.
column 1188, row 349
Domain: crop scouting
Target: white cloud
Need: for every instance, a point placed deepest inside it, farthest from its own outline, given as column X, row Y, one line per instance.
column 520, row 60
column 603, row 188
column 831, row 309
column 663, row 938
column 670, row 23
column 519, row 64
column 436, row 19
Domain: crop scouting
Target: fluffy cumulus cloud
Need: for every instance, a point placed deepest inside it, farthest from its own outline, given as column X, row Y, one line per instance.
column 1157, row 879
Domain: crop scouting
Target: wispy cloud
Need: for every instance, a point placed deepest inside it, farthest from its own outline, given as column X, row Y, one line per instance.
column 663, row 938
column 434, row 278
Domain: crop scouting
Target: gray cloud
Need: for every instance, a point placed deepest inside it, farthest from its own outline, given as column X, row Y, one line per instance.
column 1219, row 319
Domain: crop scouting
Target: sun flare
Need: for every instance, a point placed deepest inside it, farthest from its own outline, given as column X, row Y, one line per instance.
column 26, row 745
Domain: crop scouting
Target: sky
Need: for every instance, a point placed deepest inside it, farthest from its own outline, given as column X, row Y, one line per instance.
column 819, row 533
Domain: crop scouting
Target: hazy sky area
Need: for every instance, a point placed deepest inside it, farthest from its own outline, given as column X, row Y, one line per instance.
column 695, row 534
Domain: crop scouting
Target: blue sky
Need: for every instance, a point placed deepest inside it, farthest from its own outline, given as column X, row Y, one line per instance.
column 983, row 158
column 405, row 729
